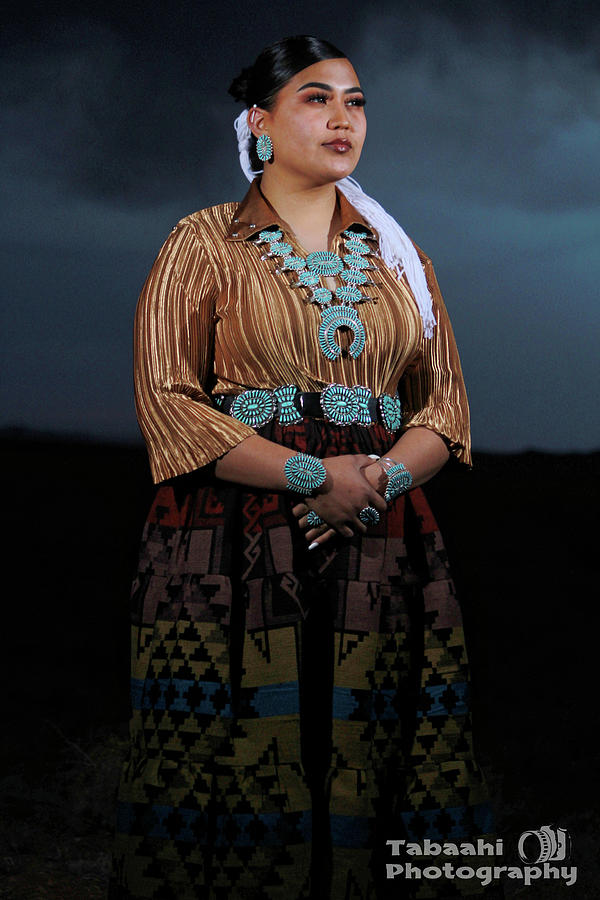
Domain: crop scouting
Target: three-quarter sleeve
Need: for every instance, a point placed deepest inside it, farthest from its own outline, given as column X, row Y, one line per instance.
column 173, row 341
column 432, row 391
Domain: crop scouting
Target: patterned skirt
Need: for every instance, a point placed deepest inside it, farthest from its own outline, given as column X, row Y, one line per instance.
column 292, row 710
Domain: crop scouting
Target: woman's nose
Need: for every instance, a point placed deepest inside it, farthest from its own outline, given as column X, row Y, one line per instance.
column 338, row 117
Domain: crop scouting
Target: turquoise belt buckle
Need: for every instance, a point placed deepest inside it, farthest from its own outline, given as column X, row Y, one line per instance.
column 391, row 412
column 363, row 395
column 339, row 404
column 255, row 407
column 287, row 412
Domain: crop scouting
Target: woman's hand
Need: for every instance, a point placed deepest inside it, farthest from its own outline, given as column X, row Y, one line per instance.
column 353, row 482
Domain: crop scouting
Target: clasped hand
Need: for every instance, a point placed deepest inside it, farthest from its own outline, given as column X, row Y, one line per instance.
column 353, row 482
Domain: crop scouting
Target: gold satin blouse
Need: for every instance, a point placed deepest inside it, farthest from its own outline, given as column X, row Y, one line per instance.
column 215, row 318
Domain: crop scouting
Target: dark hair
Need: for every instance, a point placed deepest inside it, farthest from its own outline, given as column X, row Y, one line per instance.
column 273, row 68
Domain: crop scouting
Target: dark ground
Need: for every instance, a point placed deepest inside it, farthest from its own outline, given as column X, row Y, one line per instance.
column 521, row 531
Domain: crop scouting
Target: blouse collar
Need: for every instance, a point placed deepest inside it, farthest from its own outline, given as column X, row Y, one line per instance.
column 256, row 213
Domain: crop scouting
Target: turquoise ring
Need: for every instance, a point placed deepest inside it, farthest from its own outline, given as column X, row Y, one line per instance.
column 369, row 515
column 314, row 518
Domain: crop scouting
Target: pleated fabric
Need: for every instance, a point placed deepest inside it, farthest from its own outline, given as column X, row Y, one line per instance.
column 215, row 317
column 292, row 710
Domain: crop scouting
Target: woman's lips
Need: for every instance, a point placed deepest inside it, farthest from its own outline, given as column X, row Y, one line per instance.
column 339, row 146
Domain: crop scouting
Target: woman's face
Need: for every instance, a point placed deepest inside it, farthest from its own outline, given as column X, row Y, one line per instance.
column 317, row 123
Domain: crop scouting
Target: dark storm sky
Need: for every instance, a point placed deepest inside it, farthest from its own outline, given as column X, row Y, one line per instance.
column 484, row 142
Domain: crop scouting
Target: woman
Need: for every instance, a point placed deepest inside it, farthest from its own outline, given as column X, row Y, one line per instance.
column 299, row 672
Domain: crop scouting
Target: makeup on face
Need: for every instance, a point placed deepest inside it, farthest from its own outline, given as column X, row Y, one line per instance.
column 318, row 121
column 326, row 92
column 320, row 92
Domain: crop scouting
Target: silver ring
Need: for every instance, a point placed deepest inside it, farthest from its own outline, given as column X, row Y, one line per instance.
column 314, row 518
column 369, row 515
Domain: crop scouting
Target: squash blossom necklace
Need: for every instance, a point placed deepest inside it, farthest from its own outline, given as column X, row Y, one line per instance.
column 323, row 263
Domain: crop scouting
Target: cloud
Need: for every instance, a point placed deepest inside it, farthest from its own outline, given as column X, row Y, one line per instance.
column 573, row 24
column 140, row 121
column 488, row 121
column 486, row 151
column 483, row 141
column 93, row 117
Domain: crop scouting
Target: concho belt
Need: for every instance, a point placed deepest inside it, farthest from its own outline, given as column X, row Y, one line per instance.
column 337, row 403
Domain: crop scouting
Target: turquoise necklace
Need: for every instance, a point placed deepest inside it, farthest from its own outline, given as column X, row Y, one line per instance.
column 323, row 263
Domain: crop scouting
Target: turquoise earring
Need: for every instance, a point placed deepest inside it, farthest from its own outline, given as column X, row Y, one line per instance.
column 264, row 148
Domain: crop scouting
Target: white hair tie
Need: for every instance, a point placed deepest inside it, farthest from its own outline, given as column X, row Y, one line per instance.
column 396, row 248
column 243, row 135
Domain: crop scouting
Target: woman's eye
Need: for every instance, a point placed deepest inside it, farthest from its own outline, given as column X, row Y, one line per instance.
column 323, row 98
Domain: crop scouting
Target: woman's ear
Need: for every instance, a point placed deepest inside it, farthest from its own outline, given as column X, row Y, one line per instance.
column 257, row 120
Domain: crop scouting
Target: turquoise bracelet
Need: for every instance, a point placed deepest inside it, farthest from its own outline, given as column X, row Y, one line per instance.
column 399, row 481
column 304, row 473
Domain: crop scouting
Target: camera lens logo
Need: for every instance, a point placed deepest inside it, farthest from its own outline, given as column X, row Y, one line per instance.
column 548, row 844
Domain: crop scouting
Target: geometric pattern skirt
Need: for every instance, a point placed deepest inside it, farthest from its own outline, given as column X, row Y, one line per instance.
column 291, row 710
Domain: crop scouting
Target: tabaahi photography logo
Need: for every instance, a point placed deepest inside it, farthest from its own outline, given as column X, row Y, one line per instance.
column 538, row 851
column 548, row 844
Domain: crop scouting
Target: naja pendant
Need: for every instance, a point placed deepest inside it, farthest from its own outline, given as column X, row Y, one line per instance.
column 321, row 263
column 334, row 317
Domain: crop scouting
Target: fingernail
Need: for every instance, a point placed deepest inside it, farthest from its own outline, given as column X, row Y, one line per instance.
column 373, row 456
column 313, row 545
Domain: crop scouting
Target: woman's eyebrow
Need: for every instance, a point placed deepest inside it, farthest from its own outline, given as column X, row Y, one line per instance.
column 327, row 87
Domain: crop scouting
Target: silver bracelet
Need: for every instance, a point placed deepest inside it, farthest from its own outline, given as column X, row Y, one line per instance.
column 399, row 481
column 386, row 463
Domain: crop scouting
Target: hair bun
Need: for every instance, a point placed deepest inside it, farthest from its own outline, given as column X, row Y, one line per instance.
column 239, row 86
